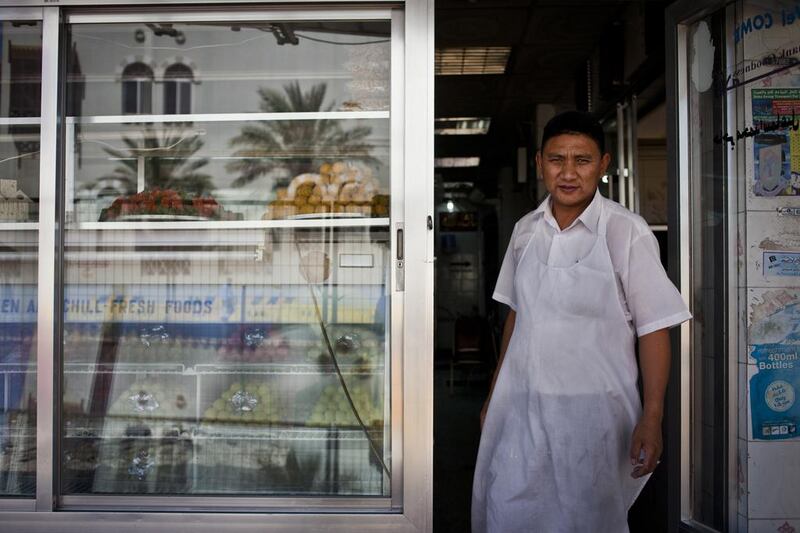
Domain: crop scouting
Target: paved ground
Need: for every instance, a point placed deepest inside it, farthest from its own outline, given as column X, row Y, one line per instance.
column 456, row 437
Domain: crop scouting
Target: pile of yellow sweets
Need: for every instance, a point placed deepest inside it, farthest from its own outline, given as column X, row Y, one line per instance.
column 340, row 187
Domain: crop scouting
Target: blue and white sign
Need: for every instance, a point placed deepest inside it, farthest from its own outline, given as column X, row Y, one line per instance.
column 773, row 392
column 774, row 389
column 781, row 263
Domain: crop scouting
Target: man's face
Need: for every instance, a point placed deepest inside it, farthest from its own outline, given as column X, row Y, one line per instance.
column 571, row 166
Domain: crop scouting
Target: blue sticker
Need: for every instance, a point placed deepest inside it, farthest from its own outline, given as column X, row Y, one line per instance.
column 774, row 390
column 781, row 263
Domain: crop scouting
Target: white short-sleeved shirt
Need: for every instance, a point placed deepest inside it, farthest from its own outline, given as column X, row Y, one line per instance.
column 650, row 299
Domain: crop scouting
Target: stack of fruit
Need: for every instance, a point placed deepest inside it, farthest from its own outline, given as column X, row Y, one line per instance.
column 333, row 409
column 246, row 403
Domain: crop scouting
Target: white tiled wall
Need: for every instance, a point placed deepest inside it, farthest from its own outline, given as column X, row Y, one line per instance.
column 773, row 473
column 769, row 471
column 772, row 526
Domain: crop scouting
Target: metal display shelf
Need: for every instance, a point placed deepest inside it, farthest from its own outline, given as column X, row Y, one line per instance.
column 227, row 117
column 322, row 222
column 19, row 226
column 24, row 432
column 289, row 369
column 208, row 233
column 228, row 432
column 127, row 368
column 258, row 369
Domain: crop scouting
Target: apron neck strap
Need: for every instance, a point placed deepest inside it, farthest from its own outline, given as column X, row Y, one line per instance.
column 602, row 222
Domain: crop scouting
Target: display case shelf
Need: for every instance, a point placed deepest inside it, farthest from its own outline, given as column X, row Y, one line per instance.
column 24, row 432
column 264, row 369
column 19, row 226
column 226, row 432
column 322, row 222
column 228, row 117
column 300, row 369
column 127, row 368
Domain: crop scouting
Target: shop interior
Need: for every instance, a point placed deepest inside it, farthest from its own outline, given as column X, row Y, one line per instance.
column 503, row 68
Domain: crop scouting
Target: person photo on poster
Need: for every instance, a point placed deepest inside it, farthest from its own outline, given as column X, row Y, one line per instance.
column 776, row 148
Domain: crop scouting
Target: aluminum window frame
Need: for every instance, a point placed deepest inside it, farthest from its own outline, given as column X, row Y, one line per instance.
column 29, row 503
column 412, row 314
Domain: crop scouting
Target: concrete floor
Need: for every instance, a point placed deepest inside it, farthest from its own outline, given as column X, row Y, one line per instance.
column 456, row 434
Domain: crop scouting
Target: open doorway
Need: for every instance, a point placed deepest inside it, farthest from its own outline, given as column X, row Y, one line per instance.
column 503, row 69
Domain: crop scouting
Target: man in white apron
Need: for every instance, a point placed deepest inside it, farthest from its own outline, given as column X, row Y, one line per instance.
column 566, row 444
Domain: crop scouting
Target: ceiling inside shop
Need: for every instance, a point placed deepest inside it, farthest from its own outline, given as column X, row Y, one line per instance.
column 550, row 41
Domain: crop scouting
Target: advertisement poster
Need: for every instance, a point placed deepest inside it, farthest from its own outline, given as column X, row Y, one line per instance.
column 776, row 146
column 781, row 263
column 774, row 389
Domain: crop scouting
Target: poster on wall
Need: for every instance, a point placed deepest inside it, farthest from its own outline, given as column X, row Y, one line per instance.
column 781, row 263
column 776, row 146
column 775, row 347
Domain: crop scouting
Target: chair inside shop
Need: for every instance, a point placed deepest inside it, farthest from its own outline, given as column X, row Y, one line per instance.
column 473, row 348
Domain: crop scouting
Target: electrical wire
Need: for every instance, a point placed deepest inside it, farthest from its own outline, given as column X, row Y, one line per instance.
column 224, row 45
column 332, row 353
column 351, row 43
column 173, row 48
column 154, row 149
column 20, row 156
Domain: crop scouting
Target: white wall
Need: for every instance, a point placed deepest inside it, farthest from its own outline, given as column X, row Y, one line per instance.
column 770, row 304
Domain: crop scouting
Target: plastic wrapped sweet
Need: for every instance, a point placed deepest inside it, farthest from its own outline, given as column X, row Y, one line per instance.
column 341, row 187
column 351, row 344
column 152, row 401
column 253, row 345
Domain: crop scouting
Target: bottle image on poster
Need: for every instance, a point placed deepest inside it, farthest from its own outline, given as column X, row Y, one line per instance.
column 776, row 147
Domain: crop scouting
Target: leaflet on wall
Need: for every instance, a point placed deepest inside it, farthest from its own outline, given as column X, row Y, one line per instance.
column 776, row 147
column 775, row 347
column 781, row 263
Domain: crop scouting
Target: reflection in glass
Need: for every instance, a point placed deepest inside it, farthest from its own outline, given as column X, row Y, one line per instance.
column 230, row 170
column 19, row 172
column 137, row 89
column 307, row 142
column 226, row 325
column 20, row 88
column 211, row 369
column 178, row 89
column 20, row 68
column 229, row 65
column 709, row 197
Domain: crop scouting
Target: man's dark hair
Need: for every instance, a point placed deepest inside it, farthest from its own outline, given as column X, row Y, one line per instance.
column 574, row 122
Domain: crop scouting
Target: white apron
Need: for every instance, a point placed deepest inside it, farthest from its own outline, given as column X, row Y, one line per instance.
column 554, row 452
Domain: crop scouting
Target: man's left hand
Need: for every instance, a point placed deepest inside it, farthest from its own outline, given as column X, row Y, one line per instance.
column 646, row 447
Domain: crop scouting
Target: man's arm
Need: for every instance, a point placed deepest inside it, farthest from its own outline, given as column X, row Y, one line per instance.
column 646, row 443
column 508, row 329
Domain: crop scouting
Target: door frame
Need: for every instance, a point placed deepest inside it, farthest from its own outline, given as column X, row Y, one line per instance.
column 678, row 17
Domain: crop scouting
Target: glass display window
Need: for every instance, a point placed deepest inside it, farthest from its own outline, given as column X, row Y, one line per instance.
column 227, row 244
column 20, row 90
